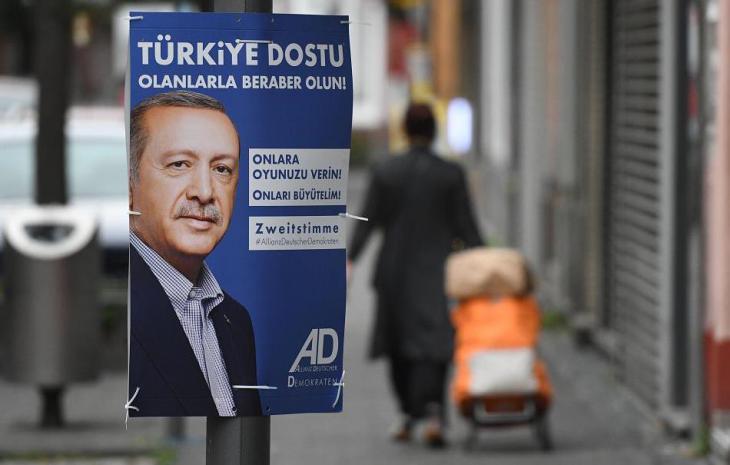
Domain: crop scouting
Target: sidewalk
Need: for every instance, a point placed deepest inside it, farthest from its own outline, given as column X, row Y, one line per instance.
column 593, row 422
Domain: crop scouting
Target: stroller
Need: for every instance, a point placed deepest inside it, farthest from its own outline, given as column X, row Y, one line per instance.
column 499, row 381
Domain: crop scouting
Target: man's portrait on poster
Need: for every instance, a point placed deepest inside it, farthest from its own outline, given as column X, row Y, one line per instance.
column 192, row 350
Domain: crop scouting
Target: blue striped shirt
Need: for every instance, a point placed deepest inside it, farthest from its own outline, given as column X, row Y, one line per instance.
column 192, row 304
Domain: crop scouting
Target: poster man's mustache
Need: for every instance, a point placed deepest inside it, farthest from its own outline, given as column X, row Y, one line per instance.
column 207, row 212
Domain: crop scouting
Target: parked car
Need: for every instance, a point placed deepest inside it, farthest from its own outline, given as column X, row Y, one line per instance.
column 96, row 170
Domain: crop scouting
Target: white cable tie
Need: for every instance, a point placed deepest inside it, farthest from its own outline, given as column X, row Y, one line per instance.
column 134, row 213
column 339, row 385
column 352, row 217
column 253, row 41
column 128, row 406
column 243, row 386
column 362, row 23
column 133, row 18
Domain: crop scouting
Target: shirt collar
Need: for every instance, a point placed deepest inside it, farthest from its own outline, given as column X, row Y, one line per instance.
column 177, row 287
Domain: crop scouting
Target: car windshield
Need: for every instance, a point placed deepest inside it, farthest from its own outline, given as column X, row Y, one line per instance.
column 95, row 168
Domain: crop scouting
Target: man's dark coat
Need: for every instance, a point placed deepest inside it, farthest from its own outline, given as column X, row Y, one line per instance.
column 422, row 204
column 162, row 363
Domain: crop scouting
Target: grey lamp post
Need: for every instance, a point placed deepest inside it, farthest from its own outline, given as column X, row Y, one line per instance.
column 239, row 440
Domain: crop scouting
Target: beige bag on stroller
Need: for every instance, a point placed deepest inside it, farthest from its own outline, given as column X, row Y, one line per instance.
column 485, row 271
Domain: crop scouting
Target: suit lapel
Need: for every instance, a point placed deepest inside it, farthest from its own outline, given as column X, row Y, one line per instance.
column 157, row 329
column 235, row 339
column 226, row 341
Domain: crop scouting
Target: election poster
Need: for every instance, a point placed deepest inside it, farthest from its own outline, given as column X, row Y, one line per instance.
column 239, row 141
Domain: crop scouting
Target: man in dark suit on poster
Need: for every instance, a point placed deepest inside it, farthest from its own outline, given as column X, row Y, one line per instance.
column 192, row 350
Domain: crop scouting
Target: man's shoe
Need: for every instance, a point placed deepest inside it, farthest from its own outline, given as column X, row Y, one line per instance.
column 402, row 431
column 401, row 435
column 434, row 436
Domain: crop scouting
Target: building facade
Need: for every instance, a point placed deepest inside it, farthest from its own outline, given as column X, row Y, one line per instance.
column 603, row 140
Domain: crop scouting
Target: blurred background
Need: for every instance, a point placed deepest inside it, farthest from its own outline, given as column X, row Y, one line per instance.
column 595, row 138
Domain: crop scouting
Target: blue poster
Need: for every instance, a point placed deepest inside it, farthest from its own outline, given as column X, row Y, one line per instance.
column 239, row 144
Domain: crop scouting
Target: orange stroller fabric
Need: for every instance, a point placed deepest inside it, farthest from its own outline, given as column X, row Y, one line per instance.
column 484, row 323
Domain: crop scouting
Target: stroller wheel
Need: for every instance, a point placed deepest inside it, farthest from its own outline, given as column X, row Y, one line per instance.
column 541, row 429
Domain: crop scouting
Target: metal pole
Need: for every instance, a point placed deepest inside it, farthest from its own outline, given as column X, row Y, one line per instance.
column 52, row 29
column 52, row 55
column 52, row 410
column 239, row 440
column 246, row 6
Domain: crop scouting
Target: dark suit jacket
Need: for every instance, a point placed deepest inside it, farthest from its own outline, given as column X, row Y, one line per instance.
column 421, row 203
column 162, row 363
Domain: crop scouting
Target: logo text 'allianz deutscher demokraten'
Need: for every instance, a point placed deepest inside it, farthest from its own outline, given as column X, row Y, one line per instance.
column 313, row 351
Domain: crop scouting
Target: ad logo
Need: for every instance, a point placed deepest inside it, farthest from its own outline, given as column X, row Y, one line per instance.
column 314, row 348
